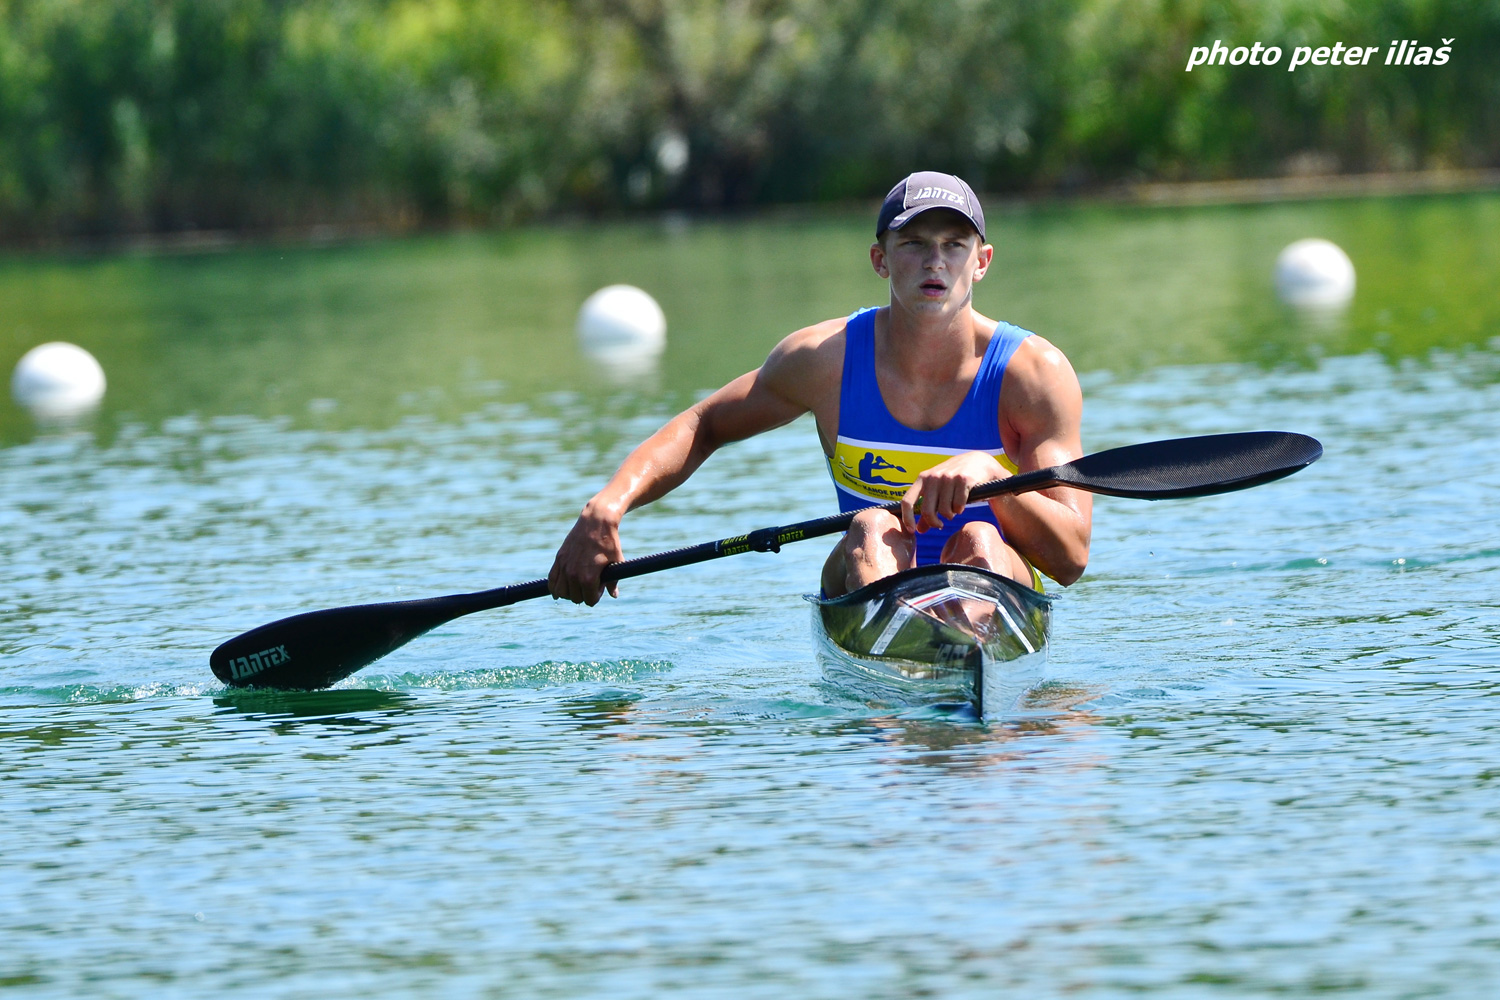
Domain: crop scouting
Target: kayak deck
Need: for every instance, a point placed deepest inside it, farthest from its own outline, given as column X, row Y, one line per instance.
column 936, row 635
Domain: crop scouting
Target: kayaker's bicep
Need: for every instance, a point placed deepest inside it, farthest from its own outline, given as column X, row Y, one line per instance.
column 1040, row 424
column 801, row 375
column 744, row 408
column 1041, row 407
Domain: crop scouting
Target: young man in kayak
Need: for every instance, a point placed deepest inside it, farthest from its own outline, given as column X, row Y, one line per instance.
column 920, row 401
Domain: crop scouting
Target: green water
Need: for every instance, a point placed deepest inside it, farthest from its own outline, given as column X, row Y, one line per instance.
column 1263, row 761
column 374, row 332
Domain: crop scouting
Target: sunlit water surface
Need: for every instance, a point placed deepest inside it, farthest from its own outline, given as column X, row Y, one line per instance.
column 1265, row 761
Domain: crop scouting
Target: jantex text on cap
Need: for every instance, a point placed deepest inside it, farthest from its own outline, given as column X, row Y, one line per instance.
column 937, row 192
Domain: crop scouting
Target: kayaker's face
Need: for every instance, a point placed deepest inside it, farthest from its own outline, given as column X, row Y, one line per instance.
column 932, row 261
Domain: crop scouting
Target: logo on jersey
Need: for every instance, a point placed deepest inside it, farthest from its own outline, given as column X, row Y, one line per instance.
column 883, row 472
column 872, row 465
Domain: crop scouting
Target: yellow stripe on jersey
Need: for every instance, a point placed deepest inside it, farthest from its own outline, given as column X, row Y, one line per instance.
column 883, row 472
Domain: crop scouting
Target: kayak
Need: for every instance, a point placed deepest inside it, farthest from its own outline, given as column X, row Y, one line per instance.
column 942, row 635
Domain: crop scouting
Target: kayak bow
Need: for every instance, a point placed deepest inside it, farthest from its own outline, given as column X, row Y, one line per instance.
column 936, row 635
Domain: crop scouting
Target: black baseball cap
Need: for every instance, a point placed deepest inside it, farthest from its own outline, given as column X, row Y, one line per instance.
column 928, row 189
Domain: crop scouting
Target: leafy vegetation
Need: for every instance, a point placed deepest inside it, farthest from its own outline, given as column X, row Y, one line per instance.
column 159, row 115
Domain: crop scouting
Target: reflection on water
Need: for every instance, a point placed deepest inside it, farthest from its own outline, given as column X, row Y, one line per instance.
column 954, row 739
column 1267, row 725
column 604, row 712
column 325, row 714
column 311, row 704
column 627, row 365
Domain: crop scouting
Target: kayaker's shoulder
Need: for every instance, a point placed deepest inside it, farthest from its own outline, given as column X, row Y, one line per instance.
column 1039, row 362
column 818, row 337
column 810, row 350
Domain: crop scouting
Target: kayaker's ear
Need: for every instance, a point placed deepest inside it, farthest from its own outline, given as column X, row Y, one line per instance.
column 986, row 255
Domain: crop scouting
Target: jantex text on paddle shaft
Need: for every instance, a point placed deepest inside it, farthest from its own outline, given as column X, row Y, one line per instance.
column 1401, row 52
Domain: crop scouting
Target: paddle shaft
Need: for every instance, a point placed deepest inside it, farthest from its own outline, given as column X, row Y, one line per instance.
column 762, row 540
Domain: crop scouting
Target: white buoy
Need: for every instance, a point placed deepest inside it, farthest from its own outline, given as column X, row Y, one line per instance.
column 1314, row 274
column 621, row 322
column 57, row 380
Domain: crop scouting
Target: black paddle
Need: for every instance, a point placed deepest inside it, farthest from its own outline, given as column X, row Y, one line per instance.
column 319, row 648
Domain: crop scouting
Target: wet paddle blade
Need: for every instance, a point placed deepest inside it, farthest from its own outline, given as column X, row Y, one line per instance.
column 1192, row 467
column 314, row 650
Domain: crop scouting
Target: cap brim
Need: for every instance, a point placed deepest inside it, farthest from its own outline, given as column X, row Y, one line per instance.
column 912, row 213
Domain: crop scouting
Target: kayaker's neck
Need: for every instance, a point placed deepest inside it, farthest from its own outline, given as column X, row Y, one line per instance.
column 932, row 345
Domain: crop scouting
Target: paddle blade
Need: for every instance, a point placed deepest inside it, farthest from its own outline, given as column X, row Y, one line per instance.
column 1192, row 467
column 319, row 648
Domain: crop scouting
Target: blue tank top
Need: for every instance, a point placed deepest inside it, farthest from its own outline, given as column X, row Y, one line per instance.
column 877, row 457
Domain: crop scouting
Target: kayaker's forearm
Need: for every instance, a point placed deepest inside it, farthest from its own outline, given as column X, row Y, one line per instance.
column 1052, row 532
column 657, row 466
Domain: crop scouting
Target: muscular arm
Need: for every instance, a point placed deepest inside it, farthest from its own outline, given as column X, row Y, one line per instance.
column 1041, row 410
column 790, row 383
